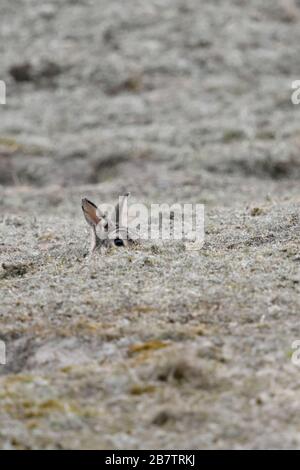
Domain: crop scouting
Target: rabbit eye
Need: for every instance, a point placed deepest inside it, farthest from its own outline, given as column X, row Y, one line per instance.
column 119, row 242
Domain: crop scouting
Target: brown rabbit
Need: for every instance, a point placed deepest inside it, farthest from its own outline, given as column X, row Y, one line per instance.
column 107, row 230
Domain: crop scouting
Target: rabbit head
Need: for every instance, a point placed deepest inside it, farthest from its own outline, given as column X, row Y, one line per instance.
column 107, row 230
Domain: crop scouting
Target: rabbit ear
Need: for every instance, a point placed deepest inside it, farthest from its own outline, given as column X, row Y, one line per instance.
column 120, row 208
column 90, row 212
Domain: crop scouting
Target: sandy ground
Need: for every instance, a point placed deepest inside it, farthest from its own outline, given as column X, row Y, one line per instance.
column 154, row 347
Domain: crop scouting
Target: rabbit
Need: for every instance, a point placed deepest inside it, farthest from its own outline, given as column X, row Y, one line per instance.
column 107, row 230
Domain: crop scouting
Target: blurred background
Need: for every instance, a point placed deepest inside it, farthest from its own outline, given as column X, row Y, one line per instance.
column 150, row 95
